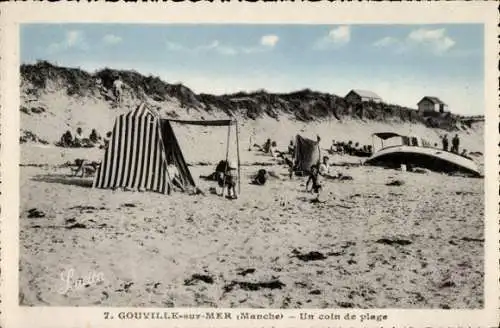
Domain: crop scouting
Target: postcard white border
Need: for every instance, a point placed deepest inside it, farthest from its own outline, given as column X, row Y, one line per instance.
column 13, row 14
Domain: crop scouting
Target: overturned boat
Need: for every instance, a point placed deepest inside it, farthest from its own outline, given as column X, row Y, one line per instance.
column 395, row 150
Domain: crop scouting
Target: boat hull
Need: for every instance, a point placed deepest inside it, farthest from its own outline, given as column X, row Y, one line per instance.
column 430, row 158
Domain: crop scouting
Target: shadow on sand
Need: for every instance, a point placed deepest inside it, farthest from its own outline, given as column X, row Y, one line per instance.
column 65, row 179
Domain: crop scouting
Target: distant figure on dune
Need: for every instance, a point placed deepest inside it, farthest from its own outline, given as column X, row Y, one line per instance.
column 118, row 87
column 99, row 85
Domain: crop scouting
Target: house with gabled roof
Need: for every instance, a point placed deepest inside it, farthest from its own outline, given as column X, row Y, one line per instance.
column 357, row 96
column 430, row 104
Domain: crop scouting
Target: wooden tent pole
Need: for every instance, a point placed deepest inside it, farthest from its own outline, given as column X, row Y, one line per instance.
column 319, row 152
column 238, row 156
column 227, row 156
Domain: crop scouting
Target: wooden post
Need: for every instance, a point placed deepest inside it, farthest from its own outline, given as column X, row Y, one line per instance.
column 238, row 156
column 319, row 153
column 227, row 156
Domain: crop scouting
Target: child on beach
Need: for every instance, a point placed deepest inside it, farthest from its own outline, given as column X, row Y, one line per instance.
column 314, row 180
column 228, row 179
column 261, row 178
column 291, row 166
column 291, row 149
column 174, row 175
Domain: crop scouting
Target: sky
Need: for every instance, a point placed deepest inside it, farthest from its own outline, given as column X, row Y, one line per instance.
column 401, row 63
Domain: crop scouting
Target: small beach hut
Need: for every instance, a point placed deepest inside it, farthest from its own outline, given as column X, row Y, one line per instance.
column 307, row 153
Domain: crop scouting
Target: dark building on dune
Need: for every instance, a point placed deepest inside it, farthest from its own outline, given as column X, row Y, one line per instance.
column 431, row 105
column 357, row 96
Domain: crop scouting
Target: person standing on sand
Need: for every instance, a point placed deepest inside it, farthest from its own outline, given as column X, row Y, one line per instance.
column 455, row 143
column 291, row 166
column 229, row 179
column 445, row 142
column 314, row 180
column 291, row 149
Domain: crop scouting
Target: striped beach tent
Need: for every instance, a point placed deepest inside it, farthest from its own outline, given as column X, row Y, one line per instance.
column 141, row 144
column 136, row 156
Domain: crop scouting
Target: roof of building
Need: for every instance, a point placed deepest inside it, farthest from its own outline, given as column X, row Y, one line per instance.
column 365, row 94
column 434, row 100
column 386, row 135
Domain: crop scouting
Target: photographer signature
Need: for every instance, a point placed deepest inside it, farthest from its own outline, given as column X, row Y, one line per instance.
column 72, row 282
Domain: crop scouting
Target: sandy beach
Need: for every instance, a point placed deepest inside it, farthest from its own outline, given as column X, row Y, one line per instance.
column 368, row 245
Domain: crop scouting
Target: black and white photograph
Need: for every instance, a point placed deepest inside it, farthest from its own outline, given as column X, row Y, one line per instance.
column 252, row 166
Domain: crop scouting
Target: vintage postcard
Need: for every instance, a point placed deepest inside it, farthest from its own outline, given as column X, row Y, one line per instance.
column 249, row 164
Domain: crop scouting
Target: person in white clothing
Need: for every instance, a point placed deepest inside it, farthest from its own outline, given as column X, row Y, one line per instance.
column 324, row 168
column 118, row 90
column 274, row 149
column 174, row 175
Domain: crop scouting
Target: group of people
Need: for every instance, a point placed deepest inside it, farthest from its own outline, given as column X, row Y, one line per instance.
column 455, row 143
column 317, row 171
column 349, row 148
column 117, row 89
column 226, row 177
column 269, row 147
column 322, row 170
